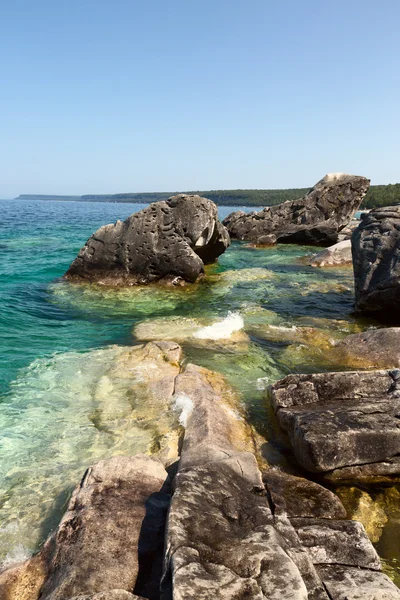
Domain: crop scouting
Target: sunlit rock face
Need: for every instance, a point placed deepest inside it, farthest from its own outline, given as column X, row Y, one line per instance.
column 376, row 262
column 342, row 425
column 372, row 348
column 317, row 218
column 171, row 240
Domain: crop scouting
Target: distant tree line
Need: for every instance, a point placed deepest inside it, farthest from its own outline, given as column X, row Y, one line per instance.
column 382, row 195
column 377, row 195
column 222, row 197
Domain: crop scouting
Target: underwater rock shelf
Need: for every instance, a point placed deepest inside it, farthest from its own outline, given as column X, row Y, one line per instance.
column 233, row 527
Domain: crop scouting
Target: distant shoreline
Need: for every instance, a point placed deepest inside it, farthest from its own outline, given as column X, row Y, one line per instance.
column 377, row 195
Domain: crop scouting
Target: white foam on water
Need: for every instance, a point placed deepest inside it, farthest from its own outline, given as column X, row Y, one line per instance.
column 183, row 404
column 221, row 330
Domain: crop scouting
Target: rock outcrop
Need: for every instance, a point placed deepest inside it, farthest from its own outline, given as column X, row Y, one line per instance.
column 335, row 256
column 315, row 219
column 371, row 348
column 236, row 532
column 376, row 263
column 342, row 425
column 169, row 240
column 233, row 529
column 96, row 548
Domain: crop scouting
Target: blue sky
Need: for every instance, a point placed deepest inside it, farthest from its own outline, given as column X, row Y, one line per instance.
column 100, row 96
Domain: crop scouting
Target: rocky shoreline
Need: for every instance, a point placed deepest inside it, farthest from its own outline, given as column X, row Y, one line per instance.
column 234, row 527
column 208, row 515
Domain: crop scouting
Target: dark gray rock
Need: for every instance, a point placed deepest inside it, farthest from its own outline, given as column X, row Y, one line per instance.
column 167, row 240
column 376, row 263
column 317, row 218
column 372, row 348
column 337, row 420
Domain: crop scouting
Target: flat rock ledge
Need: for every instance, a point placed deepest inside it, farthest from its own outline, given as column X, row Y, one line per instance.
column 233, row 530
column 315, row 219
column 344, row 426
column 376, row 263
column 169, row 240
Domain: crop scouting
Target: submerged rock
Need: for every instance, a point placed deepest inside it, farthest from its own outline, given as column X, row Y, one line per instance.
column 343, row 425
column 317, row 218
column 376, row 261
column 337, row 255
column 170, row 240
column 223, row 334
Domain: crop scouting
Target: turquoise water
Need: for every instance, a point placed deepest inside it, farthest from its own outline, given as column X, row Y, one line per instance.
column 61, row 345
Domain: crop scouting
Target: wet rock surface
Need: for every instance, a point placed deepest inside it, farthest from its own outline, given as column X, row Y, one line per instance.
column 222, row 334
column 169, row 240
column 375, row 347
column 317, row 218
column 376, row 254
column 342, row 424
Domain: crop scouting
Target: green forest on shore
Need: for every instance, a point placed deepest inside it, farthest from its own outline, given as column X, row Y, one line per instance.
column 377, row 195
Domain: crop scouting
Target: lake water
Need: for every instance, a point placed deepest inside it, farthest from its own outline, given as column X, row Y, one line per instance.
column 58, row 339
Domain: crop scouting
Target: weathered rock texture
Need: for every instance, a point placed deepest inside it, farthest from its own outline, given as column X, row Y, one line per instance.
column 167, row 240
column 234, row 532
column 317, row 218
column 95, row 547
column 376, row 262
column 343, row 425
column 372, row 348
column 337, row 255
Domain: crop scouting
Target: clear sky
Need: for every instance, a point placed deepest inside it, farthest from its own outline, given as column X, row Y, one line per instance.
column 104, row 96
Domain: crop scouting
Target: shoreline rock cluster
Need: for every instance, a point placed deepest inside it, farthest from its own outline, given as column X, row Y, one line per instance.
column 233, row 527
column 208, row 517
column 315, row 219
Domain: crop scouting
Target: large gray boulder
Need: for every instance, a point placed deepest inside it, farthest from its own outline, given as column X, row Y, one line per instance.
column 343, row 425
column 170, row 240
column 376, row 263
column 315, row 219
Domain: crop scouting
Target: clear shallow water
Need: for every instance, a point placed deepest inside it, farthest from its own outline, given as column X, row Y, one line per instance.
column 59, row 341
